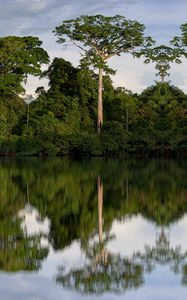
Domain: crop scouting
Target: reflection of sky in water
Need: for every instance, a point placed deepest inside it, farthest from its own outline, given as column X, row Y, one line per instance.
column 134, row 234
column 130, row 236
column 32, row 221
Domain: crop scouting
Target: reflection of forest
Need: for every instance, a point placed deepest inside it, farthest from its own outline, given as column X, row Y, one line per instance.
column 65, row 191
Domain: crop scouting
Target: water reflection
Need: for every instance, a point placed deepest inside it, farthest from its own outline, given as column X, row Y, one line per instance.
column 163, row 253
column 80, row 201
column 19, row 251
column 104, row 271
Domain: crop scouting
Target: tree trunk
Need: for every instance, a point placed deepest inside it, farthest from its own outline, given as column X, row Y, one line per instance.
column 100, row 102
column 100, row 208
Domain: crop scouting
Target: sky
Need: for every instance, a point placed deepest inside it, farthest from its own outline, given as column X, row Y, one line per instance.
column 162, row 19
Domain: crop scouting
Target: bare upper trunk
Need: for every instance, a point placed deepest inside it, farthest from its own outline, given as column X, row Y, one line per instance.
column 100, row 102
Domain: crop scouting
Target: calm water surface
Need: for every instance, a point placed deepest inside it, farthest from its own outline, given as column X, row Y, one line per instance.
column 93, row 229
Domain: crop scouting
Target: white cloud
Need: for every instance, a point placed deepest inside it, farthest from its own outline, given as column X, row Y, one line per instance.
column 34, row 5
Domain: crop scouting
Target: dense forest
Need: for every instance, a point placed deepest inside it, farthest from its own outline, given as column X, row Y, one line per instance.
column 70, row 117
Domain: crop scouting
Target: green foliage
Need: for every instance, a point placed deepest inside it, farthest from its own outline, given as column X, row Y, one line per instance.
column 162, row 56
column 85, row 144
column 113, row 138
column 101, row 37
column 63, row 119
column 19, row 57
column 160, row 109
column 180, row 42
column 72, row 95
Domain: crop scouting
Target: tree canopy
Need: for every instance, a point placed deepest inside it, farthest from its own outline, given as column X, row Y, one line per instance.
column 101, row 37
column 19, row 57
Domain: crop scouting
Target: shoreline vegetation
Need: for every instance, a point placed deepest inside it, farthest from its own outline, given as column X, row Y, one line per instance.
column 82, row 113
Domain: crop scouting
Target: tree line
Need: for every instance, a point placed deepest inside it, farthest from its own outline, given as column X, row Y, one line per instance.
column 82, row 112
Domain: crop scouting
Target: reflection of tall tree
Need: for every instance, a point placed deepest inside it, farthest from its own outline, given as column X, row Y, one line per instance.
column 103, row 271
column 100, row 208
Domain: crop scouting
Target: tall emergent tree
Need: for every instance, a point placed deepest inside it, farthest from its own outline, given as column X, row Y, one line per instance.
column 101, row 38
column 19, row 57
